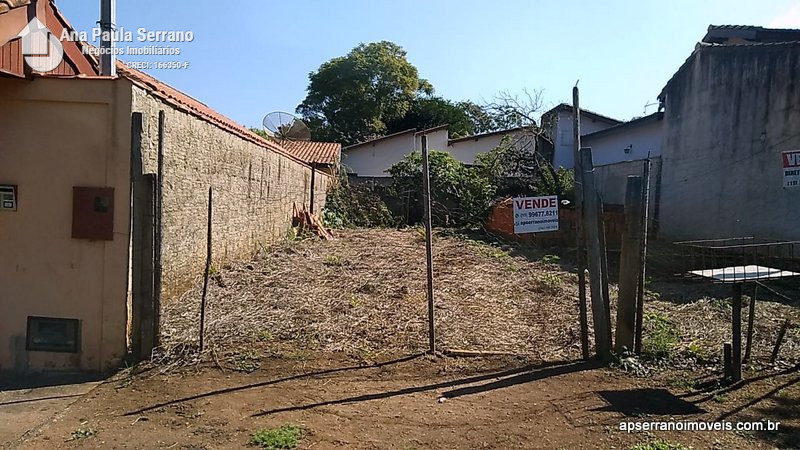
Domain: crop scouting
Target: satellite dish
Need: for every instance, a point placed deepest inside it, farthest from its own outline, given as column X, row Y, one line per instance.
column 283, row 126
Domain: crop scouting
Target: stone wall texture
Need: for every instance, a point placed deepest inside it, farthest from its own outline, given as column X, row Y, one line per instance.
column 255, row 190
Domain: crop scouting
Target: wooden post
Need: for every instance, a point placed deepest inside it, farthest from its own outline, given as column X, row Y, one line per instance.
column 311, row 199
column 426, row 187
column 580, row 245
column 208, row 267
column 727, row 367
column 750, row 322
column 599, row 312
column 159, row 233
column 736, row 341
column 601, row 233
column 629, row 270
column 778, row 342
column 144, row 253
column 637, row 342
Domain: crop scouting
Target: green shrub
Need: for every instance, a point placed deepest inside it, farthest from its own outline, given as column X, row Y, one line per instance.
column 459, row 194
column 283, row 438
column 348, row 206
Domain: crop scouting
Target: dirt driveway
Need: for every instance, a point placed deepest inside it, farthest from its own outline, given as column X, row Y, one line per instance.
column 415, row 403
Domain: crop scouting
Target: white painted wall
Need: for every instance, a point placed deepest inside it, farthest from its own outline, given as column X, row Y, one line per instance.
column 371, row 159
column 609, row 147
column 562, row 135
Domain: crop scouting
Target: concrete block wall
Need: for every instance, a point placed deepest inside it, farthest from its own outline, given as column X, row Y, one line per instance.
column 255, row 189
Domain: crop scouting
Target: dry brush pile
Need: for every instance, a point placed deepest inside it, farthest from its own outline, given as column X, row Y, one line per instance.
column 364, row 293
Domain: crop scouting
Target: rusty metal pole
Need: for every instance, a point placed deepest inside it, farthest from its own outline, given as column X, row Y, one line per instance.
column 426, row 186
column 637, row 342
column 579, row 236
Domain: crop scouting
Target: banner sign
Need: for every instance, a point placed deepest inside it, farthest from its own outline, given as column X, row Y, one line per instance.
column 535, row 214
column 791, row 168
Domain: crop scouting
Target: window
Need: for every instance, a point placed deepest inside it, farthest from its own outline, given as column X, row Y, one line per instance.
column 48, row 334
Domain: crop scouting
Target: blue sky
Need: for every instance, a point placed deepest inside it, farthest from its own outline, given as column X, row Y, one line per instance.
column 252, row 57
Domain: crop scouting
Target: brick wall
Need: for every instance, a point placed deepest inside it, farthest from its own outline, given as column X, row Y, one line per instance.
column 254, row 190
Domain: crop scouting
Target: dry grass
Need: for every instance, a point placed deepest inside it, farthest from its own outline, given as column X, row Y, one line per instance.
column 364, row 294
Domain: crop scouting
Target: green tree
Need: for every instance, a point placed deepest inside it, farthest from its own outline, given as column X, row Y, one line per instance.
column 353, row 97
column 429, row 112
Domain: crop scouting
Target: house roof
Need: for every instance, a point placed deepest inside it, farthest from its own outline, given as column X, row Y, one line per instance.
column 656, row 116
column 584, row 112
column 85, row 66
column 7, row 5
column 720, row 34
column 315, row 152
column 431, row 130
column 377, row 139
column 475, row 137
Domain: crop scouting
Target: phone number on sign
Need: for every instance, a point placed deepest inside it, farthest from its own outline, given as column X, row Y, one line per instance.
column 145, row 65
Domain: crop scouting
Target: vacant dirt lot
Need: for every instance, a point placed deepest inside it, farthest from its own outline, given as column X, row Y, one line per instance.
column 329, row 336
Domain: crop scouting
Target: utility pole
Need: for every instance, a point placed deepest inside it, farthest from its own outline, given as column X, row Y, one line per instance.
column 579, row 236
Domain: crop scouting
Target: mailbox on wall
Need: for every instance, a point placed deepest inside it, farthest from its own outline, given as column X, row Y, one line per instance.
column 93, row 213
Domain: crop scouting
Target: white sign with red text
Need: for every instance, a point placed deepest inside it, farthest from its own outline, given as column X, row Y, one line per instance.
column 791, row 168
column 535, row 214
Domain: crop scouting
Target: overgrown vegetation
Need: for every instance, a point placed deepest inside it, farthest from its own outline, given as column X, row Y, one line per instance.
column 660, row 337
column 460, row 195
column 285, row 437
column 349, row 206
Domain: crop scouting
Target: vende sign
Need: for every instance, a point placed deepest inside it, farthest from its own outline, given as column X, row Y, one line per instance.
column 535, row 214
column 791, row 168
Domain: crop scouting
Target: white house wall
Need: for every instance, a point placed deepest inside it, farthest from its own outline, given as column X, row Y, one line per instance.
column 563, row 136
column 372, row 159
column 609, row 147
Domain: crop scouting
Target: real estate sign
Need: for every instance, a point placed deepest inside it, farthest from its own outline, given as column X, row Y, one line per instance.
column 535, row 214
column 791, row 168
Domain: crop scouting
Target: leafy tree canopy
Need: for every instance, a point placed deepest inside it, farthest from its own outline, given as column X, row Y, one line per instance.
column 352, row 98
column 429, row 112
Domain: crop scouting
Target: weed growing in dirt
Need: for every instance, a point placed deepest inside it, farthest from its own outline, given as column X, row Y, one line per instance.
column 550, row 259
column 660, row 337
column 246, row 362
column 720, row 398
column 332, row 261
column 285, row 437
column 660, row 445
column 81, row 433
column 682, row 382
column 550, row 282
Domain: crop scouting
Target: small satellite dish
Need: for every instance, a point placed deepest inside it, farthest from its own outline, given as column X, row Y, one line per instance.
column 283, row 126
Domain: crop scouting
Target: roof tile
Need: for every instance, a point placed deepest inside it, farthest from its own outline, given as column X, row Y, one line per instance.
column 314, row 152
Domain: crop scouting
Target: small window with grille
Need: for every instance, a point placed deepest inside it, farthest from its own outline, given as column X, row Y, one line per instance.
column 50, row 334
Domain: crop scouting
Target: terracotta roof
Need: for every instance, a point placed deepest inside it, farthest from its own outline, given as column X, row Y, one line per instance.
column 315, row 152
column 7, row 5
